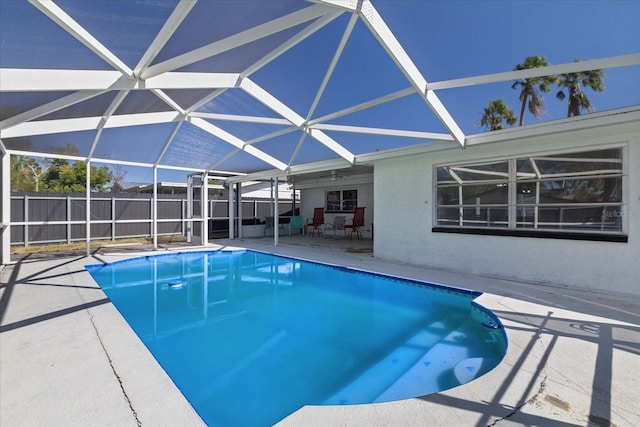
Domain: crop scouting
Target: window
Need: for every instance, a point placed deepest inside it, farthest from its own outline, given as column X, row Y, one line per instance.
column 473, row 195
column 569, row 192
column 341, row 200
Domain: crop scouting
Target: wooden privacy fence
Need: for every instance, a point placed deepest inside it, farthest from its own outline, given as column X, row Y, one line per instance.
column 61, row 218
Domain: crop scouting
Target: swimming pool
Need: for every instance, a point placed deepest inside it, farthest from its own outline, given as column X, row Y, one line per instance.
column 250, row 337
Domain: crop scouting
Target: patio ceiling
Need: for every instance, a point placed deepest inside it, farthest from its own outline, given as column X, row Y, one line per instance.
column 255, row 88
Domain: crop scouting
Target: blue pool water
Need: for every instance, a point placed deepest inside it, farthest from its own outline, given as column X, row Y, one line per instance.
column 250, row 337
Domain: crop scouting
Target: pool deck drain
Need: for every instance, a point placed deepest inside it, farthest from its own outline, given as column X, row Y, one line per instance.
column 67, row 358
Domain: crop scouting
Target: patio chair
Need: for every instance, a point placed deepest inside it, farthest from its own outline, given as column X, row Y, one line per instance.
column 356, row 223
column 338, row 225
column 317, row 221
column 270, row 226
column 296, row 223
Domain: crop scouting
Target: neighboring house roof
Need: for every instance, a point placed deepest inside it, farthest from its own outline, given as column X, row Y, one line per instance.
column 259, row 190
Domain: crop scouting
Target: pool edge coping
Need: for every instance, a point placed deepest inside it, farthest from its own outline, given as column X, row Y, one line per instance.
column 306, row 414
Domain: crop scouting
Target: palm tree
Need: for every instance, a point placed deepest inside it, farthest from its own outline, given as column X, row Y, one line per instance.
column 533, row 87
column 495, row 114
column 573, row 82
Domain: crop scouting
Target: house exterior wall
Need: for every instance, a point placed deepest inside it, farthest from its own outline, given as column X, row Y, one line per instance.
column 404, row 210
column 311, row 198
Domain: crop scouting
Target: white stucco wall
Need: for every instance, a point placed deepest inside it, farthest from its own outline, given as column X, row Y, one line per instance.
column 403, row 191
column 311, row 198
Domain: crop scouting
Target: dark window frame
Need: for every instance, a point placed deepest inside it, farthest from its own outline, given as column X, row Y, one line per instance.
column 470, row 197
column 337, row 201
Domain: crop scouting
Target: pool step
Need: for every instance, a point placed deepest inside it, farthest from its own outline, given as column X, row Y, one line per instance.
column 433, row 371
column 383, row 374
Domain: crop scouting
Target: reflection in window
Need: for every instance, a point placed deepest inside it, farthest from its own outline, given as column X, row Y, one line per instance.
column 576, row 192
column 341, row 200
column 473, row 195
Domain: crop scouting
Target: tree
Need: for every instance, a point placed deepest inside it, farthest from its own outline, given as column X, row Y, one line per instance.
column 118, row 172
column 27, row 173
column 66, row 177
column 496, row 113
column 56, row 175
column 533, row 87
column 21, row 173
column 574, row 82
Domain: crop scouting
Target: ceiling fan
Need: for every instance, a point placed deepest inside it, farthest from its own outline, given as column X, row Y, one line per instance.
column 335, row 176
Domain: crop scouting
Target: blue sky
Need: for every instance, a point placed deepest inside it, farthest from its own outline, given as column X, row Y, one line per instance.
column 452, row 39
column 445, row 39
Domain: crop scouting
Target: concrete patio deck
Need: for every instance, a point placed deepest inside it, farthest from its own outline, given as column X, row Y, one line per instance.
column 67, row 358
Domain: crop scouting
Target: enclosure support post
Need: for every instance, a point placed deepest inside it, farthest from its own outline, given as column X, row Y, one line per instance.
column 189, row 221
column 88, row 208
column 276, row 215
column 26, row 220
column 113, row 217
column 183, row 229
column 5, row 223
column 271, row 196
column 239, row 196
column 154, row 209
column 205, row 209
column 231, row 212
column 293, row 198
column 68, row 200
column 512, row 194
column 271, row 208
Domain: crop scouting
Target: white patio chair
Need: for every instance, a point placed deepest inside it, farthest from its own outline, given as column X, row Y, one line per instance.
column 337, row 226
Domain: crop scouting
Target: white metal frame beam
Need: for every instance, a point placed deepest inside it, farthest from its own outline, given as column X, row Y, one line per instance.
column 39, row 80
column 320, row 166
column 108, row 161
column 551, row 70
column 210, row 97
column 244, row 119
column 167, row 144
column 169, row 101
column 156, row 78
column 180, row 12
column 272, row 135
column 186, row 80
column 50, row 107
column 105, row 118
column 223, row 159
column 237, row 142
column 280, row 108
column 388, row 41
column 334, row 61
column 272, row 102
column 44, row 127
column 314, row 26
column 61, row 18
column 382, row 131
column 363, row 106
column 236, row 40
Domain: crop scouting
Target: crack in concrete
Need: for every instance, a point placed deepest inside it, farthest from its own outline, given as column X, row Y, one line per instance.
column 106, row 353
column 115, row 373
column 531, row 400
column 541, row 388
